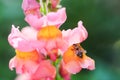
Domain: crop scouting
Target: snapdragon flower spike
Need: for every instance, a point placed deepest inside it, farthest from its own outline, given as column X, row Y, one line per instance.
column 31, row 7
column 75, row 58
column 52, row 18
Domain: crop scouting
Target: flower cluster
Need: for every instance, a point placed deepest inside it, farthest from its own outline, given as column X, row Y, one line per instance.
column 43, row 51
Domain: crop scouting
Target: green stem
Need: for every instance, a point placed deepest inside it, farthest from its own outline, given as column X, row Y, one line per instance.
column 43, row 8
column 57, row 65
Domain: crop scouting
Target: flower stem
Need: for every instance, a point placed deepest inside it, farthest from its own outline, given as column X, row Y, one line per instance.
column 43, row 8
column 57, row 65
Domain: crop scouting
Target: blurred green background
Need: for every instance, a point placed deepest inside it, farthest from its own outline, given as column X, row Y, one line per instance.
column 102, row 21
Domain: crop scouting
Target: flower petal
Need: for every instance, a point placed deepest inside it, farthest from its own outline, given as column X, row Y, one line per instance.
column 73, row 67
column 63, row 72
column 19, row 40
column 77, row 35
column 29, row 4
column 30, row 66
column 57, row 18
column 29, row 32
column 52, row 18
column 23, row 66
column 88, row 63
column 45, row 70
column 23, row 77
column 12, row 63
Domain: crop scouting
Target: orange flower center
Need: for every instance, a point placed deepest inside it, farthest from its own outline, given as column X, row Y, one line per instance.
column 49, row 32
column 74, row 52
column 33, row 55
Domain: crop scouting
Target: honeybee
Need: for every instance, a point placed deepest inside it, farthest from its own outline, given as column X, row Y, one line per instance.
column 79, row 51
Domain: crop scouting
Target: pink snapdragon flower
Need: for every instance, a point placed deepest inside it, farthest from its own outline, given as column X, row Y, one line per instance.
column 45, row 71
column 52, row 18
column 25, row 62
column 31, row 7
column 71, row 60
column 75, row 58
column 26, row 51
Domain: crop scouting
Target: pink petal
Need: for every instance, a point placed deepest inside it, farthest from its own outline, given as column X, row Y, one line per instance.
column 63, row 72
column 23, row 77
column 35, row 21
column 45, row 70
column 29, row 32
column 50, row 44
column 73, row 67
column 14, row 33
column 88, row 63
column 30, row 66
column 57, row 18
column 30, row 4
column 23, row 66
column 19, row 40
column 62, row 45
column 12, row 63
column 92, row 65
column 52, row 18
column 77, row 35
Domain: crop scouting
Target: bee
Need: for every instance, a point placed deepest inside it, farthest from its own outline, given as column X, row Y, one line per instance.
column 79, row 51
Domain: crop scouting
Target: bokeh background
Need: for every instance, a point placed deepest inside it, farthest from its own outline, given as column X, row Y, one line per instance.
column 102, row 21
